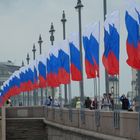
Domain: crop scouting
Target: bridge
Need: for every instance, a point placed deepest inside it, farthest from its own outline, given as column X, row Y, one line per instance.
column 47, row 123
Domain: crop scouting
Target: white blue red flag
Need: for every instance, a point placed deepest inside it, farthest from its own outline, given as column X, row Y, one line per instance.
column 75, row 66
column 132, row 21
column 112, row 44
column 91, row 40
column 64, row 69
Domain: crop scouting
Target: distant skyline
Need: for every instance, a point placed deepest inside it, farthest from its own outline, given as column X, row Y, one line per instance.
column 23, row 21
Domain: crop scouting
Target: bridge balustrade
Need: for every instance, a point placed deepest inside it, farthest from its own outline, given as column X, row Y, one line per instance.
column 104, row 123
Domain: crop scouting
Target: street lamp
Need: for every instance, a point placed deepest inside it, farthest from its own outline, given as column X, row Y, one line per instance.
column 52, row 40
column 23, row 94
column 34, row 92
column 79, row 7
column 40, row 41
column 106, row 74
column 34, row 51
column 63, row 20
column 28, row 58
column 52, row 32
column 28, row 96
column 22, row 63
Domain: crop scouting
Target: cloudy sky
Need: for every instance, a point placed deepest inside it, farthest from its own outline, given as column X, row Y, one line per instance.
column 21, row 22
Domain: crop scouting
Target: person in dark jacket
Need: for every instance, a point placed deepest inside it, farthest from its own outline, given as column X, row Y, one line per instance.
column 88, row 103
column 125, row 102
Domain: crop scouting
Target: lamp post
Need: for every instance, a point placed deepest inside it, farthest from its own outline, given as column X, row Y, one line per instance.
column 138, row 86
column 40, row 41
column 23, row 92
column 64, row 20
column 52, row 40
column 112, row 93
column 28, row 96
column 34, row 92
column 34, row 51
column 52, row 34
column 106, row 74
column 81, row 83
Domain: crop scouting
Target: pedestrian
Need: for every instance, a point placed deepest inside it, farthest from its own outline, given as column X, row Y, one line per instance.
column 8, row 103
column 94, row 103
column 88, row 103
column 48, row 101
column 105, row 103
column 78, row 104
column 111, row 101
column 125, row 102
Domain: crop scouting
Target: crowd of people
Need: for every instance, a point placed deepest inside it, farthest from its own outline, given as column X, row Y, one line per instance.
column 107, row 103
column 49, row 102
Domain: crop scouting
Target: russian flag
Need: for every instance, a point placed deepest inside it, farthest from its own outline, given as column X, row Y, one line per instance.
column 30, row 73
column 48, row 72
column 75, row 66
column 112, row 43
column 133, row 39
column 42, row 71
column 54, row 66
column 91, row 46
column 28, row 79
column 35, row 74
column 64, row 69
column 23, row 79
column 15, row 87
column 4, row 91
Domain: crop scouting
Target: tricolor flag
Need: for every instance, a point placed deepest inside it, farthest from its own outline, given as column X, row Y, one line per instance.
column 75, row 66
column 55, row 65
column 91, row 39
column 133, row 40
column 64, row 69
column 35, row 74
column 42, row 71
column 112, row 43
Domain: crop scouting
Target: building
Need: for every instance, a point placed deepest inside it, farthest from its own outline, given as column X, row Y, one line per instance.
column 6, row 70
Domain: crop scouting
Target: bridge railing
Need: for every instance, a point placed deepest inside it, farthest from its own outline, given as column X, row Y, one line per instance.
column 25, row 112
column 97, row 121
column 103, row 122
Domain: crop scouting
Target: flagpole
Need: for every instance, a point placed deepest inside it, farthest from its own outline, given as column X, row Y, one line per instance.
column 99, row 91
column 106, row 74
column 34, row 92
column 23, row 93
column 28, row 96
column 64, row 20
column 118, row 77
column 40, row 41
column 52, row 40
column 81, row 83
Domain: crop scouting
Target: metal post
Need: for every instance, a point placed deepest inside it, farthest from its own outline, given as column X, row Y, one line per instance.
column 138, row 94
column 28, row 96
column 81, row 83
column 78, row 7
column 23, row 94
column 34, row 92
column 40, row 45
column 106, row 74
column 63, row 20
column 52, row 40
